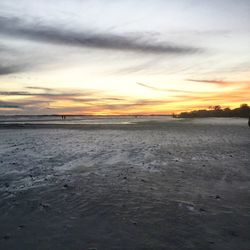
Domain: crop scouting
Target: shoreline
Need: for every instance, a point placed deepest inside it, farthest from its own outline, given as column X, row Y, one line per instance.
column 127, row 125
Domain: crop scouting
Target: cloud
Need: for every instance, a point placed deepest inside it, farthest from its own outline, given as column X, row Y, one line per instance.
column 93, row 104
column 51, row 94
column 15, row 27
column 39, row 88
column 47, row 100
column 9, row 69
column 138, row 68
column 219, row 82
column 167, row 90
column 139, row 103
column 26, row 93
column 8, row 105
column 8, row 60
column 129, row 107
column 54, row 97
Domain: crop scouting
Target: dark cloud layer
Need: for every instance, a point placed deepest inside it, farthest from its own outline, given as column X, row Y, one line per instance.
column 9, row 69
column 9, row 60
column 14, row 27
column 9, row 105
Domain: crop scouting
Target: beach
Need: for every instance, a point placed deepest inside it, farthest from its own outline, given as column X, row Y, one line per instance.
column 129, row 183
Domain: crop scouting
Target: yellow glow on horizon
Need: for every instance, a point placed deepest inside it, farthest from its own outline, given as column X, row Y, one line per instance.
column 115, row 95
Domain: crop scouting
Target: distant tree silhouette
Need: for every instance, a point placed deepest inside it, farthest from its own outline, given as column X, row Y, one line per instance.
column 217, row 111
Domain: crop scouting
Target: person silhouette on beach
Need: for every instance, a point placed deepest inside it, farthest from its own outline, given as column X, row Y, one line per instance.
column 249, row 121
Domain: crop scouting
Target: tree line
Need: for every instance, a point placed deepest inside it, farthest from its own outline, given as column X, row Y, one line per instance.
column 217, row 111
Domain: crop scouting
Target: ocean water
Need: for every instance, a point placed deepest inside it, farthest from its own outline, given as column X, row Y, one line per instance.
column 117, row 120
column 82, row 119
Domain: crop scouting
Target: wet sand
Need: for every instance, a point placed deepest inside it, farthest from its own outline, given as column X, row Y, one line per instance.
column 173, row 185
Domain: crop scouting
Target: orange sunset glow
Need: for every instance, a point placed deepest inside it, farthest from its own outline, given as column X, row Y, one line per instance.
column 124, row 124
column 185, row 59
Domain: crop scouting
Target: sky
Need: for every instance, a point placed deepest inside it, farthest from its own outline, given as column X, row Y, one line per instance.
column 118, row 57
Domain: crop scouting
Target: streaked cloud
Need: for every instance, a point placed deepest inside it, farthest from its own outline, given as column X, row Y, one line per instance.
column 15, row 27
column 168, row 90
column 39, row 88
column 26, row 93
column 219, row 82
column 8, row 105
